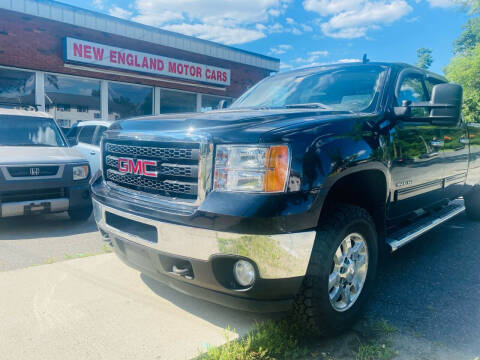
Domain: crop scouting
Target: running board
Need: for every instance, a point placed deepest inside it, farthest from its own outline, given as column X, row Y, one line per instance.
column 403, row 236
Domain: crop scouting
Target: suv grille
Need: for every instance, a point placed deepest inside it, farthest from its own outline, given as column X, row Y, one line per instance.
column 176, row 167
column 32, row 195
column 25, row 171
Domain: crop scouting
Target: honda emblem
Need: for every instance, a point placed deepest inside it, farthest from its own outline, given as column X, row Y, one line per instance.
column 34, row 171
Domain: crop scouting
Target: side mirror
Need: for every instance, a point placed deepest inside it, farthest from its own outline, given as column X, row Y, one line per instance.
column 404, row 111
column 446, row 103
column 445, row 106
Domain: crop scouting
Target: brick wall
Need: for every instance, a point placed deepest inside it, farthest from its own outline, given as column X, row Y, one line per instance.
column 35, row 43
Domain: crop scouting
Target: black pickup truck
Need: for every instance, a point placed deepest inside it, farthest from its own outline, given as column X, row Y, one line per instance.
column 290, row 196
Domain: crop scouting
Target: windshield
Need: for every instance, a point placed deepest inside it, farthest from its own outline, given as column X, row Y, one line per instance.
column 29, row 131
column 349, row 88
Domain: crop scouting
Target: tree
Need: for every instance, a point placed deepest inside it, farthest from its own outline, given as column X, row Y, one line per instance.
column 469, row 37
column 465, row 70
column 425, row 58
column 473, row 6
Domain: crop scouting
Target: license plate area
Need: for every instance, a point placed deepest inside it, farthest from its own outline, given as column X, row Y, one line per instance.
column 132, row 227
column 37, row 208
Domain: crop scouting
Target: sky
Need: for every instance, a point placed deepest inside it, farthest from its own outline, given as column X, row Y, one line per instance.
column 305, row 33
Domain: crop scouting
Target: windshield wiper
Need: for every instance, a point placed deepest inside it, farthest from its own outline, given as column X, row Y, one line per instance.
column 314, row 105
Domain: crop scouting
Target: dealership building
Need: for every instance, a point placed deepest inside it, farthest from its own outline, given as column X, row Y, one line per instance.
column 82, row 65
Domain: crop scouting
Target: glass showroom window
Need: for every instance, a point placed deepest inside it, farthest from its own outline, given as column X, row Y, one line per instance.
column 126, row 100
column 211, row 102
column 17, row 87
column 71, row 99
column 177, row 102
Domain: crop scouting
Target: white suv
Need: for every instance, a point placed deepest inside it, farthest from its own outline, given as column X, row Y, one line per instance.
column 85, row 136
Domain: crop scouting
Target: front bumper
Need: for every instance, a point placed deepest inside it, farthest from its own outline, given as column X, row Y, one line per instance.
column 74, row 197
column 155, row 247
column 30, row 195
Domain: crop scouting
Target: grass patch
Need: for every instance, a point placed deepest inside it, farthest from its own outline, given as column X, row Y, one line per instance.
column 107, row 248
column 269, row 340
column 79, row 255
column 384, row 328
column 375, row 352
column 50, row 260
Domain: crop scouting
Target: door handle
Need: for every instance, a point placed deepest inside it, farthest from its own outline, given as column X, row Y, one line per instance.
column 92, row 152
column 437, row 143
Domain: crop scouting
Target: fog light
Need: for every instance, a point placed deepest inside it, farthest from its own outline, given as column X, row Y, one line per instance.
column 244, row 273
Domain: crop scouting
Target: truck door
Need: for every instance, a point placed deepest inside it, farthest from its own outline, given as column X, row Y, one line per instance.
column 455, row 158
column 416, row 152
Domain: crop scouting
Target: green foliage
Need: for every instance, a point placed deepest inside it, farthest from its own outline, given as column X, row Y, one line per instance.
column 469, row 37
column 375, row 352
column 464, row 69
column 425, row 58
column 269, row 340
column 473, row 6
column 383, row 327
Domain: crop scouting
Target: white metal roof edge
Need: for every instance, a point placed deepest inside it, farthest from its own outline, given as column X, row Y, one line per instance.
column 72, row 15
column 19, row 112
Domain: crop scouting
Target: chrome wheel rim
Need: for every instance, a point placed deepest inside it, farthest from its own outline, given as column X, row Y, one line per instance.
column 349, row 272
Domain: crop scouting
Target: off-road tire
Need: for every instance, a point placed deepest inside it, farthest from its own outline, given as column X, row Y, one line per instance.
column 312, row 307
column 472, row 204
column 80, row 214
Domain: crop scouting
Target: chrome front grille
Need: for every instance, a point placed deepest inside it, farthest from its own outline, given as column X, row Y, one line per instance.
column 154, row 152
column 167, row 186
column 176, row 169
column 163, row 169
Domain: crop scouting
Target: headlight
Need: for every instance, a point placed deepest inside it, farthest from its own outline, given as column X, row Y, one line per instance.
column 251, row 168
column 80, row 172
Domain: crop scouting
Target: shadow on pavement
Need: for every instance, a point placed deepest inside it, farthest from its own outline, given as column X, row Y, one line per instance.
column 215, row 314
column 431, row 287
column 40, row 226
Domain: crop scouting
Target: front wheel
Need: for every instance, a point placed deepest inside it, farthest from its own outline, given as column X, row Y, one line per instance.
column 341, row 272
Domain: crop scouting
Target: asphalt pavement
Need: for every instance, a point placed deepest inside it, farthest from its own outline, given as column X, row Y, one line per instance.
column 431, row 287
column 36, row 240
column 428, row 290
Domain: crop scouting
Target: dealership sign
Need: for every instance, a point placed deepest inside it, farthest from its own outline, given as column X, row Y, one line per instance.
column 87, row 52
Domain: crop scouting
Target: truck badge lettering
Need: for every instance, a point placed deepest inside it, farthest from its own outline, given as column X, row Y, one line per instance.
column 137, row 167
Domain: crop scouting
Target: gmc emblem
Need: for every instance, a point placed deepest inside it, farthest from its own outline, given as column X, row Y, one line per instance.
column 137, row 167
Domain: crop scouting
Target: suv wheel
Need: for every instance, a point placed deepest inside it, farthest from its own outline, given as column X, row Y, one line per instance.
column 81, row 214
column 472, row 204
column 341, row 272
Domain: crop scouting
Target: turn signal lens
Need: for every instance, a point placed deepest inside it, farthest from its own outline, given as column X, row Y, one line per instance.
column 277, row 169
column 251, row 168
column 80, row 172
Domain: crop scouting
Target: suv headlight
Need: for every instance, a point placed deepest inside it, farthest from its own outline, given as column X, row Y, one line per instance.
column 80, row 172
column 251, row 168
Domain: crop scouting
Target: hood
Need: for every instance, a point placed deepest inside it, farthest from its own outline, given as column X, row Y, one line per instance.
column 243, row 125
column 16, row 155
